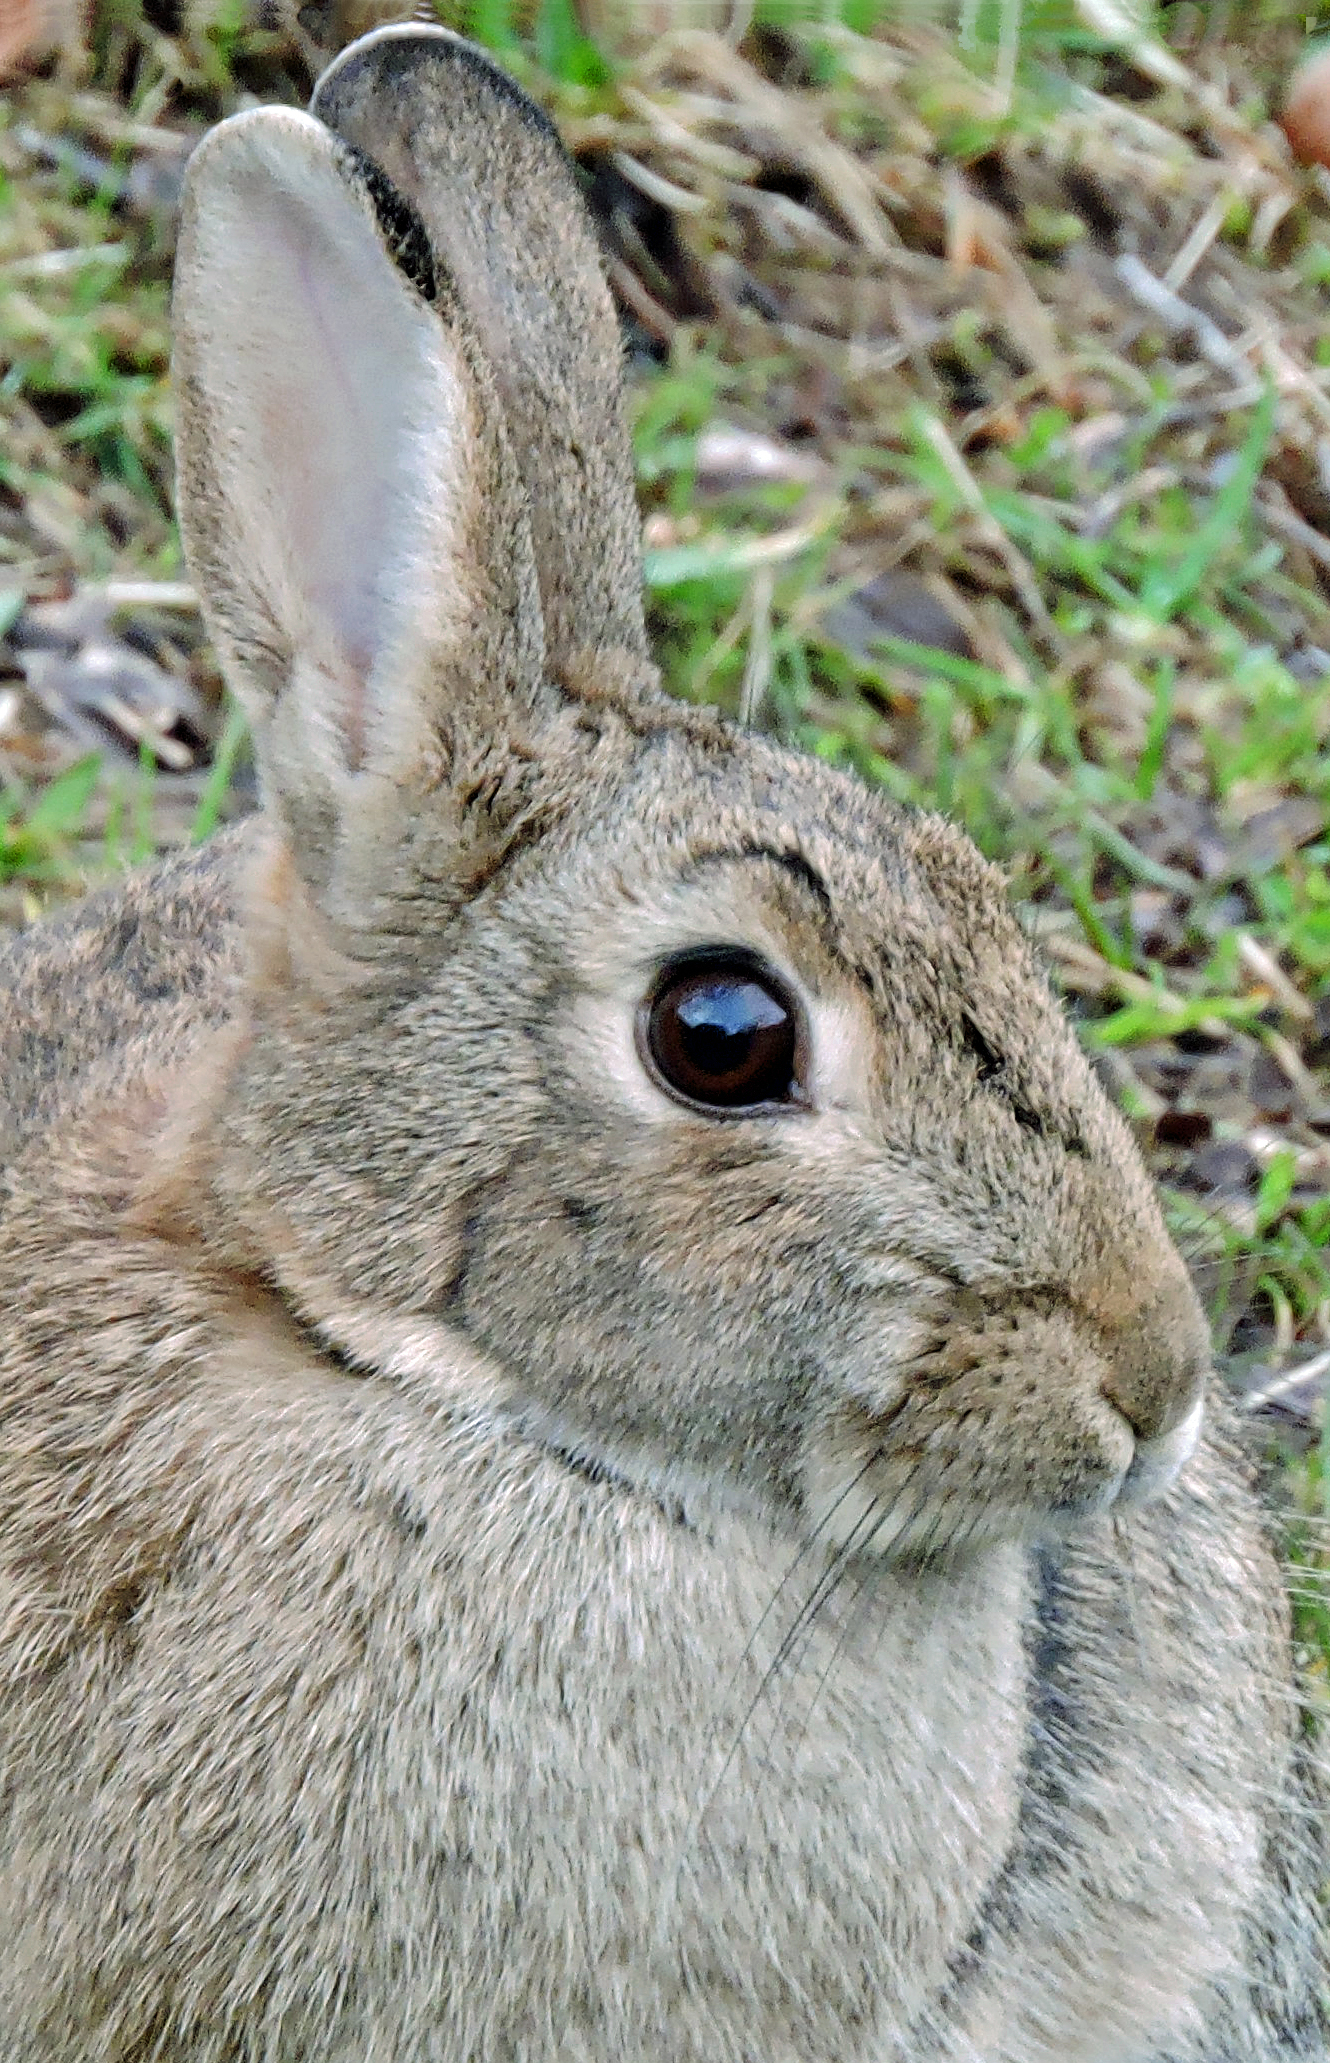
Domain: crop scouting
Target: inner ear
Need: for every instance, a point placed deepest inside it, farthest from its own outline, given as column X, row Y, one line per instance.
column 321, row 425
column 350, row 510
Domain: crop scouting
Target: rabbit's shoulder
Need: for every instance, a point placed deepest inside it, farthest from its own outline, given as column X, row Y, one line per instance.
column 335, row 1613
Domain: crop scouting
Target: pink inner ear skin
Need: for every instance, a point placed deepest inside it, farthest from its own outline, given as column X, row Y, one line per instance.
column 330, row 423
column 334, row 430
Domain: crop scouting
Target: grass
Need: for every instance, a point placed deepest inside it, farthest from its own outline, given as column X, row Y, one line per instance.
column 1041, row 541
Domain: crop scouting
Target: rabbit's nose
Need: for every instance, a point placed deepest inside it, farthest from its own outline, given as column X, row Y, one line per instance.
column 1156, row 1462
column 1157, row 1363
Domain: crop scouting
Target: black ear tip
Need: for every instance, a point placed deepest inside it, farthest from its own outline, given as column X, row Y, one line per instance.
column 401, row 227
column 413, row 59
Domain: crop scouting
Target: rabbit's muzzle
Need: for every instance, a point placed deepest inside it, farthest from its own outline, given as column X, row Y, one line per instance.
column 1159, row 1460
column 1157, row 1358
column 1013, row 1416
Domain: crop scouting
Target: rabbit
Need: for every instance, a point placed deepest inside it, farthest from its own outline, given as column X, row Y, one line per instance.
column 603, row 1450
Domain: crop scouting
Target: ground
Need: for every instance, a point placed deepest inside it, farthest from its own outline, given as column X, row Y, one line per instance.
column 981, row 378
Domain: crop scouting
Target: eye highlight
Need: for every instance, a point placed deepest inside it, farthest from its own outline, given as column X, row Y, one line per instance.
column 720, row 1033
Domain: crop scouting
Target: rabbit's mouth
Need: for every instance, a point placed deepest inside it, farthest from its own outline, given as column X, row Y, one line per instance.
column 1157, row 1463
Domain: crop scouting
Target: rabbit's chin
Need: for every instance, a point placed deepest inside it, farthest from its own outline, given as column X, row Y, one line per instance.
column 863, row 1499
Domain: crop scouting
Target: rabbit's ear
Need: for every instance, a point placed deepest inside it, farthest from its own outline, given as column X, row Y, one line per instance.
column 489, row 178
column 352, row 513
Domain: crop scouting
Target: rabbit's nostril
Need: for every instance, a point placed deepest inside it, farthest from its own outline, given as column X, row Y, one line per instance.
column 1156, row 1360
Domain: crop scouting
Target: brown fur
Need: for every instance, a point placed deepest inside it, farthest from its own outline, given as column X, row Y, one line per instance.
column 494, row 1562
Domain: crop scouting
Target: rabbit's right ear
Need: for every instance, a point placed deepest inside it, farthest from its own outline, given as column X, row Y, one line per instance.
column 352, row 514
column 485, row 170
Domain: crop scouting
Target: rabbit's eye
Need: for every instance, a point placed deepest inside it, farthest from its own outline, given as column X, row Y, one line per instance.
column 719, row 1032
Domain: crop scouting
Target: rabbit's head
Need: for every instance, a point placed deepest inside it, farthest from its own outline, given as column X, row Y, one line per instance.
column 720, row 1104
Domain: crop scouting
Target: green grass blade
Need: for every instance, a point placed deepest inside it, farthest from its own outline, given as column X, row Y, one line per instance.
column 1166, row 589
column 234, row 734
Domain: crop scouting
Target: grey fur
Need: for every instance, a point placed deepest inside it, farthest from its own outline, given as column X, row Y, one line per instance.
column 493, row 1563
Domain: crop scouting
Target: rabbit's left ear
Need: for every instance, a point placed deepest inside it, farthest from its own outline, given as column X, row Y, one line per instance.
column 352, row 513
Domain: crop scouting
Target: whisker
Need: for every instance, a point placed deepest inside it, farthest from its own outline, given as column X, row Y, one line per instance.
column 865, row 1596
column 874, row 1518
column 813, row 1540
column 866, row 1526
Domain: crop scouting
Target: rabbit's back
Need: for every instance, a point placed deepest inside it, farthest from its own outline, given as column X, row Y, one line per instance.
column 1161, row 1715
column 134, row 970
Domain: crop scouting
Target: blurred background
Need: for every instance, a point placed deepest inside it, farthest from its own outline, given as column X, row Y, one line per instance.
column 980, row 372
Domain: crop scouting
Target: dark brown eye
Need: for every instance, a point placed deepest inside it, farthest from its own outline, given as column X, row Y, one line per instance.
column 720, row 1032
